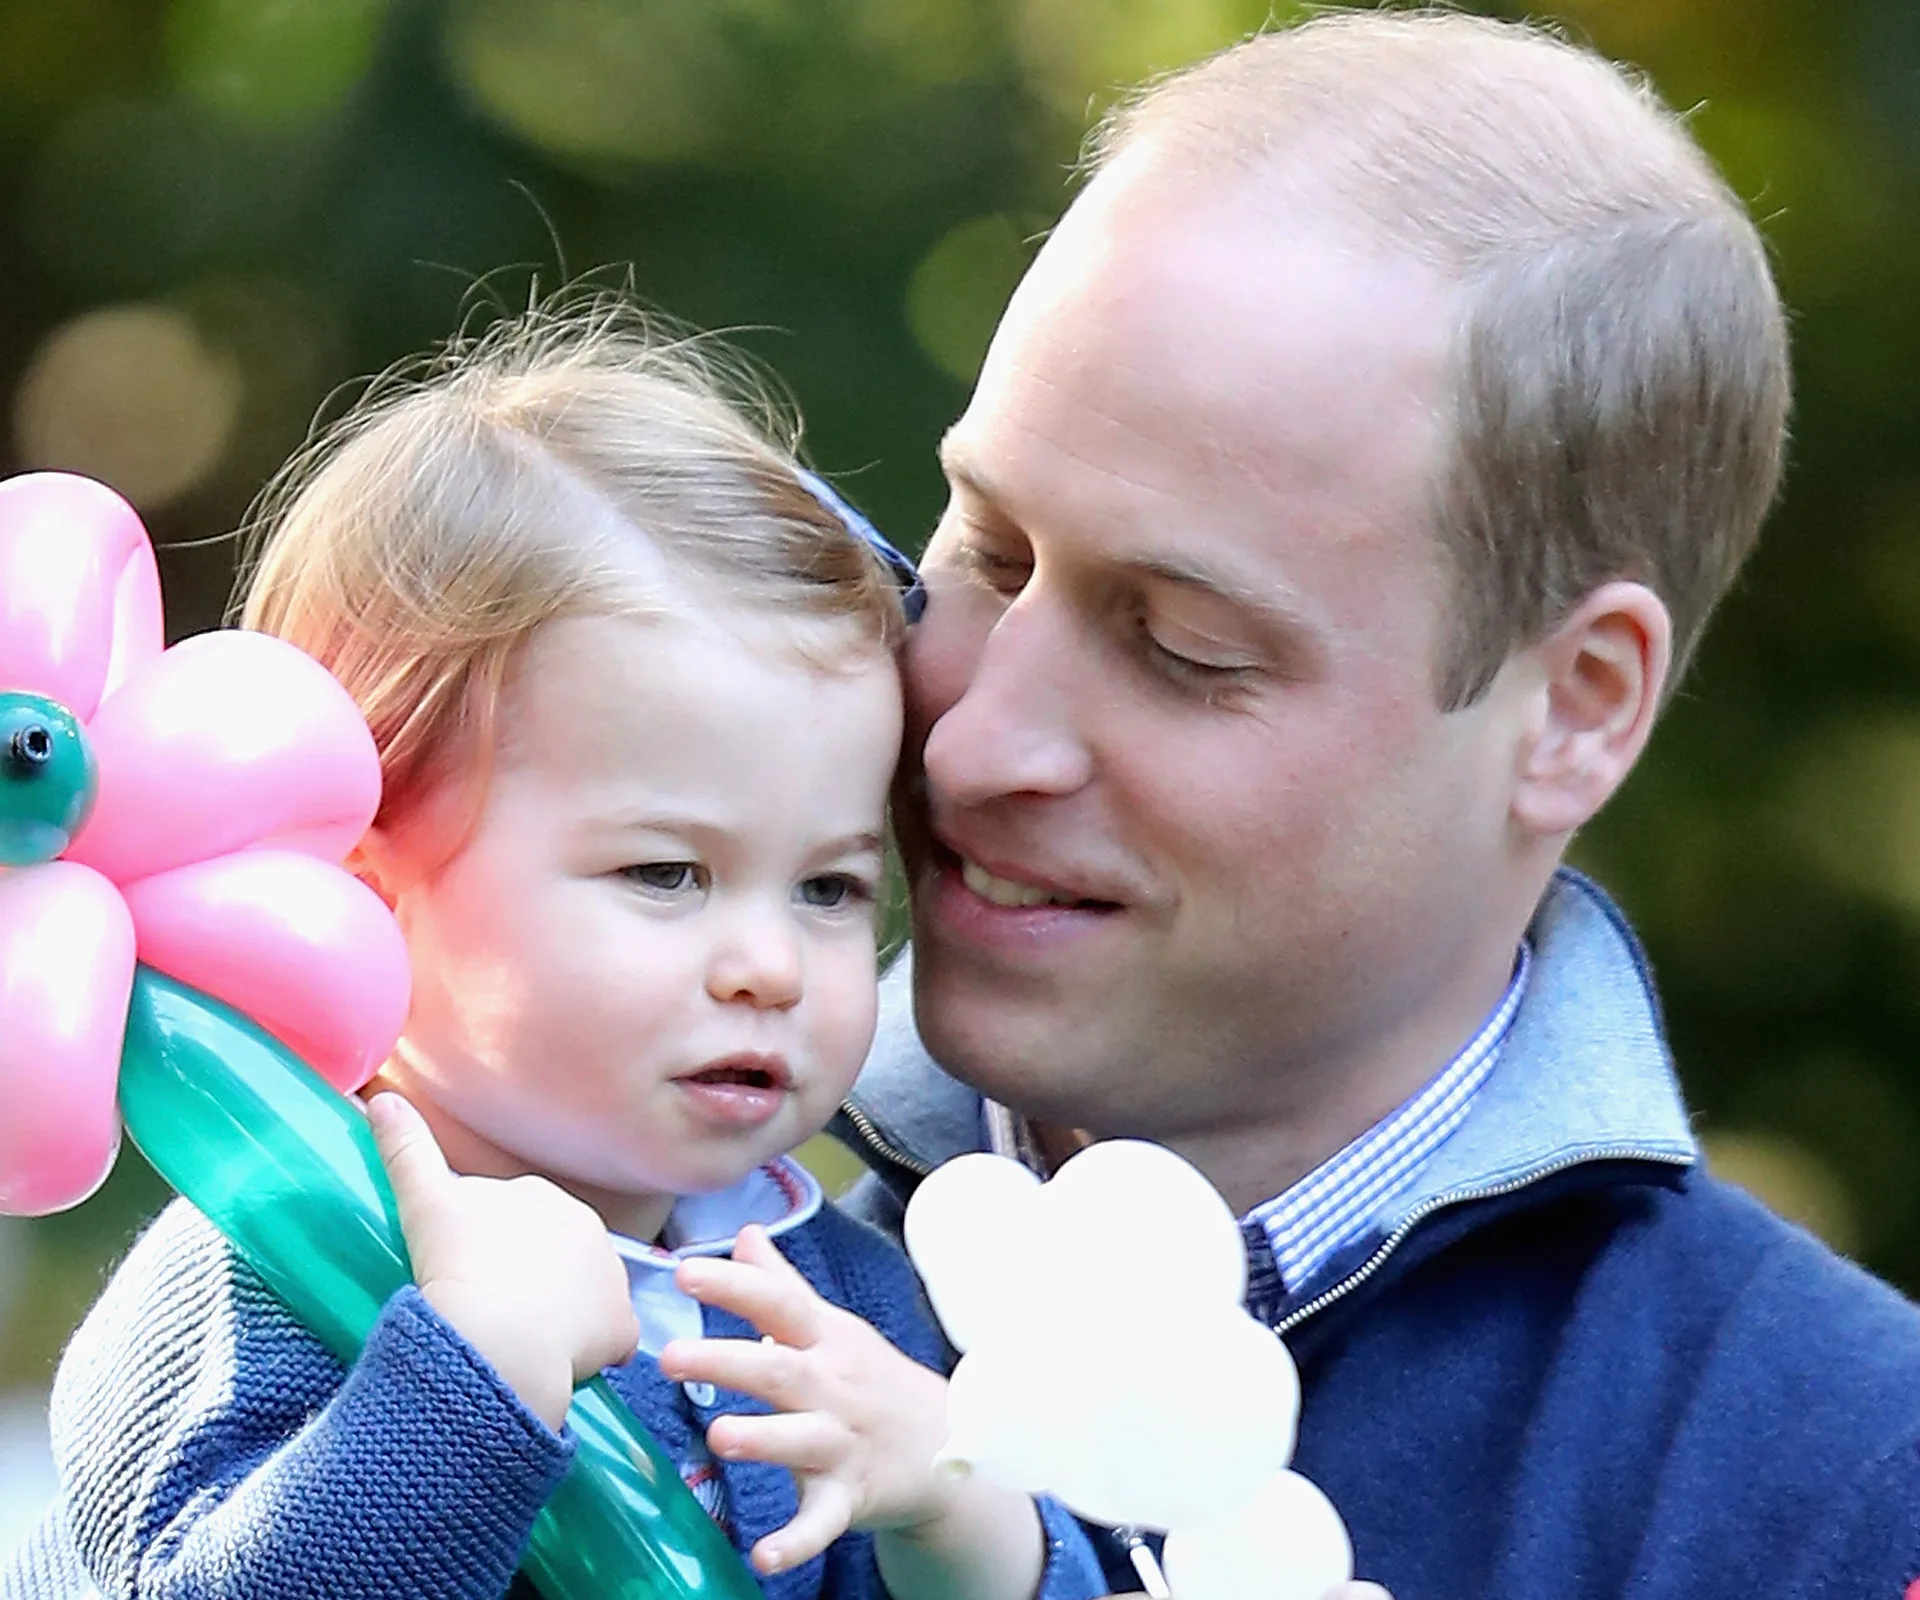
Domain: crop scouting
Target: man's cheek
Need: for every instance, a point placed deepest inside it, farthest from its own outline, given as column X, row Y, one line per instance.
column 944, row 647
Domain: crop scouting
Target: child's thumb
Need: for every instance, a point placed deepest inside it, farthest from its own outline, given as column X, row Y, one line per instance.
column 415, row 1166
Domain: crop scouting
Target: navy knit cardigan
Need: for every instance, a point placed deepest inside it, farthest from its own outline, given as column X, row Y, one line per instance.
column 210, row 1447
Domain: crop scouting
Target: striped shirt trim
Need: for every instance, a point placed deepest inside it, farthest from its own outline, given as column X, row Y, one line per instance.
column 1337, row 1202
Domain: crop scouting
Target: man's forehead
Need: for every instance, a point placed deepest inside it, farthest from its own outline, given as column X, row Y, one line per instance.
column 1212, row 261
column 1196, row 392
column 1211, row 335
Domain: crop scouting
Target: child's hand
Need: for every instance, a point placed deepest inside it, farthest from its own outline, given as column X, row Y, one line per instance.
column 859, row 1423
column 522, row 1270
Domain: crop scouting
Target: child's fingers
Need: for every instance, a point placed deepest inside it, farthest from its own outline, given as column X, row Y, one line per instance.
column 770, row 1372
column 826, row 1512
column 780, row 1304
column 415, row 1166
column 800, row 1441
column 756, row 1247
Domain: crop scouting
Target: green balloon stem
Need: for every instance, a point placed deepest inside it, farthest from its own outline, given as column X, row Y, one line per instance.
column 286, row 1168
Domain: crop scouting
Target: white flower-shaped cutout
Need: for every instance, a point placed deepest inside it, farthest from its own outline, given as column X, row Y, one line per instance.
column 1107, row 1361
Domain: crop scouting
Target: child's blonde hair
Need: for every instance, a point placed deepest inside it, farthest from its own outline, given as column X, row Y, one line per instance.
column 571, row 460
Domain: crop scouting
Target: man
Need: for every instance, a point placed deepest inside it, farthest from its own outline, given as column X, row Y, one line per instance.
column 1346, row 487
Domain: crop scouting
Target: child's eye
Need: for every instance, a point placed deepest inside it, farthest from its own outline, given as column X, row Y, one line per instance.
column 830, row 891
column 665, row 877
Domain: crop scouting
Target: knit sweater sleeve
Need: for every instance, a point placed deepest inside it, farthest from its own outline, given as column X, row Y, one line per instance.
column 209, row 1447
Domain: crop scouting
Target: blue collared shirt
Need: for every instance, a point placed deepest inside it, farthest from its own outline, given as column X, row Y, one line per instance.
column 1340, row 1200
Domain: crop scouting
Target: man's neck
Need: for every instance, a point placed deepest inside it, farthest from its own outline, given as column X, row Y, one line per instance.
column 1254, row 1158
column 1056, row 1144
column 1262, row 1163
column 1253, row 1164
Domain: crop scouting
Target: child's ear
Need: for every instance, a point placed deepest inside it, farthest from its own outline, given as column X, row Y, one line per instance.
column 374, row 861
column 1597, row 685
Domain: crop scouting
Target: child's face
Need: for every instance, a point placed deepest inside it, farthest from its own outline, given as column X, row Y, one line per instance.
column 651, row 965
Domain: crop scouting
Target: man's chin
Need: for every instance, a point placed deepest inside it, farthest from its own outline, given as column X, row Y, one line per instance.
column 1022, row 1049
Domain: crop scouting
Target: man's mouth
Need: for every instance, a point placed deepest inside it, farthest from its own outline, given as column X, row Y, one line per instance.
column 1012, row 893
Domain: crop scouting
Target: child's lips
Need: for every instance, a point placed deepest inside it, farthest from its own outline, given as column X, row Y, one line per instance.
column 739, row 1091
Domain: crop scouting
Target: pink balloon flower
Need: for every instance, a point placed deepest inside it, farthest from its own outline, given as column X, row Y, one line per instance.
column 234, row 774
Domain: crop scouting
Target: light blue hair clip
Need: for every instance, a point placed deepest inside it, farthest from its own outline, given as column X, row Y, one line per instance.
column 913, row 593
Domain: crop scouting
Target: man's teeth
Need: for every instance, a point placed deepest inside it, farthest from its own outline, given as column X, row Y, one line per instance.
column 1004, row 892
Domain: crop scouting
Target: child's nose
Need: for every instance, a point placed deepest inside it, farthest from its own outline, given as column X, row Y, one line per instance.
column 757, row 961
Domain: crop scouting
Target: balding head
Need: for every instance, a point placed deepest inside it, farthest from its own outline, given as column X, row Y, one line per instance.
column 1619, row 382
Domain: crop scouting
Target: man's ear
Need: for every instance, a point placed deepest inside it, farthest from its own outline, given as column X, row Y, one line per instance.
column 1598, row 680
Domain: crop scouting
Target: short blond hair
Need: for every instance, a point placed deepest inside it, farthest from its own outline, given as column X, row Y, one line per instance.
column 1620, row 383
column 577, row 459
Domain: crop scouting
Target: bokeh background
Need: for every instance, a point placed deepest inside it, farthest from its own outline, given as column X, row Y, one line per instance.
column 216, row 213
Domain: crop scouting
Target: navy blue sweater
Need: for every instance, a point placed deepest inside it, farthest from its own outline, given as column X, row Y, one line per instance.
column 209, row 1447
column 1620, row 1388
column 1570, row 1365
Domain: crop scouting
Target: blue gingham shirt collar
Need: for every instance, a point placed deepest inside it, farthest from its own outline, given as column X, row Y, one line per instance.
column 1338, row 1202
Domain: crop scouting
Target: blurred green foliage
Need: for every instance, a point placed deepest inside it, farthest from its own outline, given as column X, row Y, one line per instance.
column 214, row 213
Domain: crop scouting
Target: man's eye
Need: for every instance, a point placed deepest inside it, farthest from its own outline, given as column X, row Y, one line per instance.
column 665, row 877
column 830, row 891
column 1207, row 678
column 1005, row 573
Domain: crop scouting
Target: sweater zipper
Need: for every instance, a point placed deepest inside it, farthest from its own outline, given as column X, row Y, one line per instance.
column 863, row 1124
column 1454, row 1197
column 1129, row 1539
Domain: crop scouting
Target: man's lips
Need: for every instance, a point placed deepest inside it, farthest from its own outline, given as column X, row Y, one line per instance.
column 1017, row 888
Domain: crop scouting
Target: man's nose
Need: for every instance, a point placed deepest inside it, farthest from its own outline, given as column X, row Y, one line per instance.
column 1014, row 728
column 756, row 960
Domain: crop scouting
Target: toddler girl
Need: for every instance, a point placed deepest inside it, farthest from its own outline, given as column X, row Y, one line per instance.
column 631, row 674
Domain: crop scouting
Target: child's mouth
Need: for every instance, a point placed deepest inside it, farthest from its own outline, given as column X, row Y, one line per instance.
column 738, row 1091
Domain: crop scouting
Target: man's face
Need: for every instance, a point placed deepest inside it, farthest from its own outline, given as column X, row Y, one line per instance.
column 1192, row 846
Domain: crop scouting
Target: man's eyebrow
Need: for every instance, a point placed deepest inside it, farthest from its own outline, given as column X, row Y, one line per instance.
column 1269, row 602
column 962, row 471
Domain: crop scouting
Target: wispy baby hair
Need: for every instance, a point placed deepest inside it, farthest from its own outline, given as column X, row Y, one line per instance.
column 579, row 458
